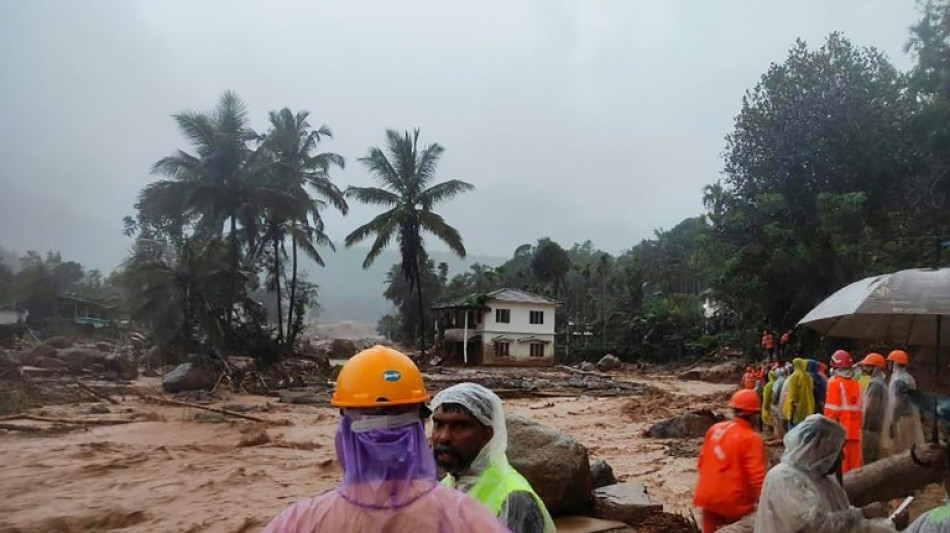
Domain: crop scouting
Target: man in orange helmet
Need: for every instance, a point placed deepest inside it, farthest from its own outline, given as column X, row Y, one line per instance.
column 389, row 475
column 875, row 406
column 843, row 404
column 902, row 427
column 731, row 465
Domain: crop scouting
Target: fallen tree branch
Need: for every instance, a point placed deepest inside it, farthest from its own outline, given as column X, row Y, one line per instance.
column 17, row 427
column 96, row 393
column 701, row 360
column 79, row 421
column 218, row 410
column 584, row 372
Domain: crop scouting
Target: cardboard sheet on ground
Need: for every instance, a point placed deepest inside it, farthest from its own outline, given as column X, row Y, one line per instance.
column 586, row 524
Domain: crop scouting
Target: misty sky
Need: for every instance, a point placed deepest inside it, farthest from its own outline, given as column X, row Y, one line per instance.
column 579, row 120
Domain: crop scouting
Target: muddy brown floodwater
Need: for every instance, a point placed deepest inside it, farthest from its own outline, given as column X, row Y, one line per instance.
column 184, row 470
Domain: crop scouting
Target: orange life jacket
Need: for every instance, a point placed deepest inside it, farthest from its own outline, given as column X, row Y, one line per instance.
column 843, row 405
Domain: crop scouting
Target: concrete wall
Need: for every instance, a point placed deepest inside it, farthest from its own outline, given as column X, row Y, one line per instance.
column 520, row 319
column 519, row 353
column 9, row 317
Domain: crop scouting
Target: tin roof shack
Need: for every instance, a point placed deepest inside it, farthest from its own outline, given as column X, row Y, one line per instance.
column 507, row 327
column 84, row 313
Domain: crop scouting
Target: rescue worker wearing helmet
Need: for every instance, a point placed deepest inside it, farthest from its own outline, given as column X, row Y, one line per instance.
column 469, row 441
column 843, row 404
column 875, row 406
column 731, row 465
column 902, row 427
column 389, row 476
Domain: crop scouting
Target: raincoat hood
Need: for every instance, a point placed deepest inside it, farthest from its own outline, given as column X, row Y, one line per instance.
column 814, row 445
column 490, row 478
column 487, row 408
column 800, row 365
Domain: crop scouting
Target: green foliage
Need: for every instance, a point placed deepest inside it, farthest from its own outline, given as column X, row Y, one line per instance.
column 550, row 264
column 187, row 278
column 816, row 179
column 407, row 193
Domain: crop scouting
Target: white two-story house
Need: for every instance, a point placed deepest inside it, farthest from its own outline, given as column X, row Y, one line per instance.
column 503, row 327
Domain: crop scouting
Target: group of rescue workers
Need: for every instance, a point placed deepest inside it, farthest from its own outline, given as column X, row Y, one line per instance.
column 390, row 464
column 830, row 426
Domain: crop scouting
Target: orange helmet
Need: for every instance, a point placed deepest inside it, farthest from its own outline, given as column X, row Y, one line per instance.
column 874, row 359
column 377, row 377
column 746, row 400
column 898, row 356
column 841, row 359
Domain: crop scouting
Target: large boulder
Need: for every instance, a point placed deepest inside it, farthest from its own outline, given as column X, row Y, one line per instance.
column 59, row 342
column 125, row 367
column 80, row 360
column 310, row 351
column 608, row 362
column 556, row 465
column 342, row 349
column 42, row 351
column 602, row 474
column 624, row 502
column 189, row 377
column 692, row 424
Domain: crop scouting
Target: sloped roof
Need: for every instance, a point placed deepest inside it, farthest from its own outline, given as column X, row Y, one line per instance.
column 519, row 296
column 479, row 301
column 471, row 301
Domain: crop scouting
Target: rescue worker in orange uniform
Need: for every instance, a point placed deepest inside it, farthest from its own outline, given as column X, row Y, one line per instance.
column 731, row 466
column 843, row 404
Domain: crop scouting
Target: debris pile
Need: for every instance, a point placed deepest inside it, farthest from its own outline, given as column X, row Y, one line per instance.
column 690, row 425
column 537, row 382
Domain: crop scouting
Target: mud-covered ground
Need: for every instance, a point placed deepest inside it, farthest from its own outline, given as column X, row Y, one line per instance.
column 184, row 470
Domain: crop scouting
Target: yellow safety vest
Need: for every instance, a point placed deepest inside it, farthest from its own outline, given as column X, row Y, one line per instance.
column 494, row 486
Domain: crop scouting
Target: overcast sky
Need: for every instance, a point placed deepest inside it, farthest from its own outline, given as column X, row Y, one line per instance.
column 578, row 120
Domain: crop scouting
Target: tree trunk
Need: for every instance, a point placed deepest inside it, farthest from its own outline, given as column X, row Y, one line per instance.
column 291, row 334
column 422, row 311
column 280, row 311
column 232, row 296
column 885, row 480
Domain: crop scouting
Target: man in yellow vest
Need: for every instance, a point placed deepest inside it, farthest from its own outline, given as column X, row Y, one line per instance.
column 470, row 440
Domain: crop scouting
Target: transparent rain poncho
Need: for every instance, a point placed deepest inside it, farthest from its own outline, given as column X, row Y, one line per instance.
column 389, row 485
column 800, row 495
column 875, row 409
column 519, row 513
column 902, row 427
column 933, row 521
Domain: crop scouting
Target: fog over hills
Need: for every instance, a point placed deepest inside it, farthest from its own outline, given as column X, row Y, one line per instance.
column 347, row 292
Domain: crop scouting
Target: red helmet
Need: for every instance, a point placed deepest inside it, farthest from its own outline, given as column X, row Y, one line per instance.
column 841, row 359
column 745, row 400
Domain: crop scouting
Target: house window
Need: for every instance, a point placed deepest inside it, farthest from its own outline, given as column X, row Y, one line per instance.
column 537, row 349
column 502, row 349
column 537, row 317
column 503, row 316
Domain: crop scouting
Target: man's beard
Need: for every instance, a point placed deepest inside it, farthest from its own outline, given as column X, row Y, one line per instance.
column 453, row 467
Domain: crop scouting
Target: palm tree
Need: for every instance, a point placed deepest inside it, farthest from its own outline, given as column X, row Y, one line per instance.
column 405, row 178
column 293, row 172
column 210, row 187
